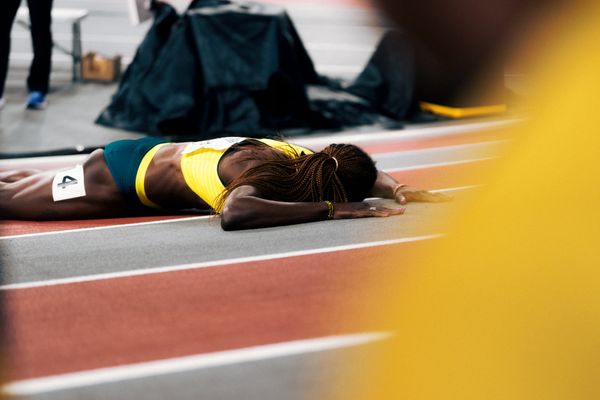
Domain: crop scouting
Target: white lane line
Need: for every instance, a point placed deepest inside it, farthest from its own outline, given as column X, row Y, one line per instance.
column 100, row 228
column 401, row 135
column 99, row 376
column 456, row 189
column 492, row 145
column 404, row 135
column 424, row 158
column 445, row 190
column 212, row 264
column 441, row 164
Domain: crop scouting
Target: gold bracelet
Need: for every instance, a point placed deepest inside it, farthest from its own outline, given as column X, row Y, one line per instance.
column 330, row 207
column 397, row 188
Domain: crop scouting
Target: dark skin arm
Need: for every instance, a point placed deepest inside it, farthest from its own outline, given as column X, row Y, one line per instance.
column 385, row 188
column 245, row 209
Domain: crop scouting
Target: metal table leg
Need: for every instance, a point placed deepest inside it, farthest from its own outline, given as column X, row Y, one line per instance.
column 76, row 50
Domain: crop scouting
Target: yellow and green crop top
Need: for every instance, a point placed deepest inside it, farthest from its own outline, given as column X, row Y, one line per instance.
column 200, row 160
column 199, row 163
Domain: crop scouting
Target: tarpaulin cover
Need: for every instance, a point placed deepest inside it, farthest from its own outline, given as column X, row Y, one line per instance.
column 240, row 68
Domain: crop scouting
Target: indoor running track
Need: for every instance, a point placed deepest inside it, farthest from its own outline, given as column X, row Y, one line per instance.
column 174, row 307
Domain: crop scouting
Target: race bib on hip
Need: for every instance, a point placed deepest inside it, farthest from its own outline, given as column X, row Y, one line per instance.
column 68, row 184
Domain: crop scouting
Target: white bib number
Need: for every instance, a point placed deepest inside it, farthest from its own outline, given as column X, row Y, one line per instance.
column 68, row 184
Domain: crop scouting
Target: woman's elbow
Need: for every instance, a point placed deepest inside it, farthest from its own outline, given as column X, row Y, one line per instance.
column 229, row 222
column 233, row 216
column 239, row 212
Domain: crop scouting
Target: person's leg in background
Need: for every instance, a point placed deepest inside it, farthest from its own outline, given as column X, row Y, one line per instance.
column 41, row 38
column 8, row 10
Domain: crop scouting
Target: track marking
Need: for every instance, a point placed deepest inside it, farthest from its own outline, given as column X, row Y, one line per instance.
column 408, row 134
column 402, row 135
column 211, row 264
column 99, row 376
column 492, row 144
column 455, row 189
column 99, row 228
column 442, row 164
column 445, row 190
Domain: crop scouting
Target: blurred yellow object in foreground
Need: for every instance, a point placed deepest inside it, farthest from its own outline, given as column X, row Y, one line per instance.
column 508, row 306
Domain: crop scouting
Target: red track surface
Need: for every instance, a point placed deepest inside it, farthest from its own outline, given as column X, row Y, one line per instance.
column 74, row 327
column 81, row 326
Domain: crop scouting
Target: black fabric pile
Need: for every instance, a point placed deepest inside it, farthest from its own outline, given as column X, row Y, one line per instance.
column 237, row 68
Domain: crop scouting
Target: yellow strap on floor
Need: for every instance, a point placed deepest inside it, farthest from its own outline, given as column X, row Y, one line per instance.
column 462, row 112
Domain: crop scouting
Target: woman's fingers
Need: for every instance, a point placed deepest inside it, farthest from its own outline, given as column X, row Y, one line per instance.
column 385, row 212
column 363, row 210
column 381, row 212
column 400, row 198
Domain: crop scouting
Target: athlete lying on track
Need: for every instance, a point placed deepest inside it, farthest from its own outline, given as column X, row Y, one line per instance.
column 252, row 183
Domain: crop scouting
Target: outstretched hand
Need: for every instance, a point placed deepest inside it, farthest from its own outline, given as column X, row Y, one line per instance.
column 407, row 195
column 364, row 210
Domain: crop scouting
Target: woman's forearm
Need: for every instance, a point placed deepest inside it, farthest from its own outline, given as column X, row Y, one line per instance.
column 248, row 212
column 244, row 209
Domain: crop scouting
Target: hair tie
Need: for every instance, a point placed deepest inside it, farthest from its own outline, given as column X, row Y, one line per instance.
column 336, row 163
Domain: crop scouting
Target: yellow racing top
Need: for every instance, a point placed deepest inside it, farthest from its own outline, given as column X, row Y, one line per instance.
column 200, row 160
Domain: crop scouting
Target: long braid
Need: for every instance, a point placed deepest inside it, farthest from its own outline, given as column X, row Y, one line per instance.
column 313, row 177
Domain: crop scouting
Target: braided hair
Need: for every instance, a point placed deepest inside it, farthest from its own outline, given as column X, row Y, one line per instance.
column 338, row 173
